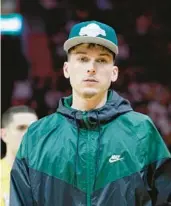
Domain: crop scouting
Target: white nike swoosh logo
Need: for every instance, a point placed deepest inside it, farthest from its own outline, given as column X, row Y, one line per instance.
column 115, row 158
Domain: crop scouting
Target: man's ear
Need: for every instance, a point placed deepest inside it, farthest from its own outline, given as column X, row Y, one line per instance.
column 66, row 70
column 115, row 74
column 3, row 134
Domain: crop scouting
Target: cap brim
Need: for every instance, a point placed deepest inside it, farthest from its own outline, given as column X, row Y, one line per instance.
column 88, row 39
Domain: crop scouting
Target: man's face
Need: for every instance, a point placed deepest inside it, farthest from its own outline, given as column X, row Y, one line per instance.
column 16, row 129
column 91, row 70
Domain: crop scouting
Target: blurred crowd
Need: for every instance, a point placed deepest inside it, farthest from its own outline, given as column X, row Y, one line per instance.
column 144, row 60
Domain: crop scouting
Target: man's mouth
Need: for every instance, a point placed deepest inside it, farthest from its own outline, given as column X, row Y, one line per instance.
column 90, row 80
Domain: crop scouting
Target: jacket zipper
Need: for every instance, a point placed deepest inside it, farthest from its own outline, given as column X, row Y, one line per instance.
column 88, row 164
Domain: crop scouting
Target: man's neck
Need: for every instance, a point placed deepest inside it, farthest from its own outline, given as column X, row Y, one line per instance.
column 86, row 104
column 9, row 157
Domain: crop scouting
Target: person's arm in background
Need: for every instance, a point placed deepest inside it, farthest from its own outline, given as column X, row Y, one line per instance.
column 158, row 161
column 20, row 188
column 2, row 202
column 4, row 182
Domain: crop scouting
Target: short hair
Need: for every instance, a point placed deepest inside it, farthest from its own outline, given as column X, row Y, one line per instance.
column 92, row 45
column 8, row 115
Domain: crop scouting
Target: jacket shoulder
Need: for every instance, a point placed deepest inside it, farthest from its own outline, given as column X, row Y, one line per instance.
column 39, row 131
column 135, row 119
column 45, row 124
column 140, row 124
column 151, row 144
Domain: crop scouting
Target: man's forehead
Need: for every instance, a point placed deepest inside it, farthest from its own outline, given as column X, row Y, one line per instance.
column 23, row 118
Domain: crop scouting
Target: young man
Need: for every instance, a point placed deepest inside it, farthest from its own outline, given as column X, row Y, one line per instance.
column 15, row 122
column 95, row 150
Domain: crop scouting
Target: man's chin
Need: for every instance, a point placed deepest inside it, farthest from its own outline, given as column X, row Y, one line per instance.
column 89, row 92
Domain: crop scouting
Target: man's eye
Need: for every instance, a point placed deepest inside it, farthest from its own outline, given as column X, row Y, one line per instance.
column 83, row 59
column 102, row 61
column 22, row 127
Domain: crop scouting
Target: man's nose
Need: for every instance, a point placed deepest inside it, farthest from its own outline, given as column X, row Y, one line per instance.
column 91, row 69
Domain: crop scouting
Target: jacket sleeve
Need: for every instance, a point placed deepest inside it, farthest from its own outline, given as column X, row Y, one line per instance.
column 159, row 167
column 20, row 188
column 162, row 183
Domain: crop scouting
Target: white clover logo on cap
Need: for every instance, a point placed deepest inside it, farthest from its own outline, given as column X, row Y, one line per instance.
column 92, row 30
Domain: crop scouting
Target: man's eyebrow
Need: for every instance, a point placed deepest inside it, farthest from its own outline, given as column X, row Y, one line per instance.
column 79, row 52
column 19, row 125
column 82, row 52
column 105, row 54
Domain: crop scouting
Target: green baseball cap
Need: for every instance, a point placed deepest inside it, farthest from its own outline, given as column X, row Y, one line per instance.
column 92, row 32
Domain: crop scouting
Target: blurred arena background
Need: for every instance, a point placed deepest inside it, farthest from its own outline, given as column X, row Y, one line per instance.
column 32, row 53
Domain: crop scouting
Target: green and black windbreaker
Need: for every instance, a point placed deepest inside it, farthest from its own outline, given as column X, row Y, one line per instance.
column 110, row 156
